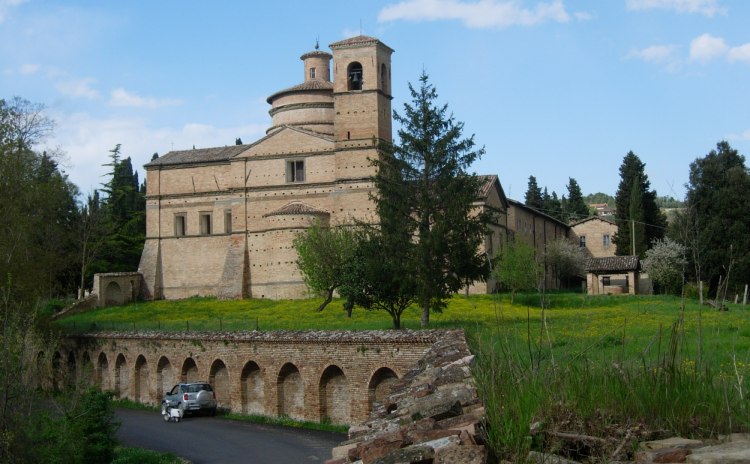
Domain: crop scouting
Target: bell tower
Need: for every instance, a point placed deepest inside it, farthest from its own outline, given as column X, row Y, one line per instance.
column 361, row 91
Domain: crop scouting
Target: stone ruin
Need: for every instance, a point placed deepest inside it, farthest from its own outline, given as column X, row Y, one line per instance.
column 433, row 414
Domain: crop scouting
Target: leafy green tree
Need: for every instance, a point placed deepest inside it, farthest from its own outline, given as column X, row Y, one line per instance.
column 325, row 256
column 639, row 207
column 382, row 276
column 517, row 268
column 717, row 197
column 599, row 197
column 576, row 207
column 37, row 204
column 422, row 182
column 534, row 198
column 665, row 263
column 553, row 205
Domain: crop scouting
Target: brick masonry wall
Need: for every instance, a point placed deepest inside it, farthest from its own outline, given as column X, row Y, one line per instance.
column 307, row 375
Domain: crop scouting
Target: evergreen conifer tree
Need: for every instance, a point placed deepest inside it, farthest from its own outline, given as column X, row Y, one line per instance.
column 533, row 197
column 633, row 176
column 423, row 185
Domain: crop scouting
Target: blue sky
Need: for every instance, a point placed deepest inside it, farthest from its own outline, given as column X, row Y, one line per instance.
column 551, row 88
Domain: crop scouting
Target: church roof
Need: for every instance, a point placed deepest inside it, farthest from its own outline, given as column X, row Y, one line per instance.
column 313, row 53
column 592, row 218
column 296, row 207
column 358, row 41
column 200, row 155
column 312, row 84
column 612, row 264
column 488, row 182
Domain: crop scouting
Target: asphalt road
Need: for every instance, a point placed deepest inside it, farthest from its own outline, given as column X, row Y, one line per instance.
column 205, row 440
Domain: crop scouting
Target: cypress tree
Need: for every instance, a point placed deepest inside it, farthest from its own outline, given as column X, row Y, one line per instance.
column 633, row 176
column 533, row 197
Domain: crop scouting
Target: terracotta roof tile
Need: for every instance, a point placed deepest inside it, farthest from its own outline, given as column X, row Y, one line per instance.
column 296, row 207
column 357, row 41
column 314, row 53
column 303, row 87
column 613, row 264
column 200, row 155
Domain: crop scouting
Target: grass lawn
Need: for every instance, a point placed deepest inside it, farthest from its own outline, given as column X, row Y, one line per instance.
column 576, row 324
column 621, row 367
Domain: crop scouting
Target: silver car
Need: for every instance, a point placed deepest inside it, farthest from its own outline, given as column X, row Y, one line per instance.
column 190, row 397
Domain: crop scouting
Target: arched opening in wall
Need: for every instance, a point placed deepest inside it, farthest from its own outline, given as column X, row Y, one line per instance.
column 141, row 381
column 189, row 371
column 251, row 389
column 383, row 78
column 291, row 392
column 122, row 389
column 164, row 377
column 87, row 370
column 354, row 76
column 219, row 379
column 71, row 371
column 380, row 386
column 113, row 295
column 335, row 397
column 57, row 374
column 102, row 372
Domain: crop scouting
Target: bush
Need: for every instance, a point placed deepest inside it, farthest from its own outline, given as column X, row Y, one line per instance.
column 85, row 432
column 142, row 456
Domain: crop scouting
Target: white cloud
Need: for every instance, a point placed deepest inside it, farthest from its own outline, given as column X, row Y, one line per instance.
column 28, row 69
column 6, row 5
column 706, row 47
column 79, row 88
column 476, row 14
column 87, row 139
column 742, row 136
column 705, row 7
column 740, row 53
column 121, row 97
column 654, row 53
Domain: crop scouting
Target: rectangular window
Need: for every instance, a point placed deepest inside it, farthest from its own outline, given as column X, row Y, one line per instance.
column 180, row 224
column 228, row 221
column 605, row 241
column 582, row 241
column 295, row 171
column 312, row 73
column 605, row 280
column 205, row 221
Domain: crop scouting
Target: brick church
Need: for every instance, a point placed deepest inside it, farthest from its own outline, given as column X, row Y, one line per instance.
column 221, row 221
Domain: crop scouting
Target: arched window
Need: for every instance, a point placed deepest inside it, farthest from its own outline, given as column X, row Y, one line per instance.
column 383, row 78
column 354, row 76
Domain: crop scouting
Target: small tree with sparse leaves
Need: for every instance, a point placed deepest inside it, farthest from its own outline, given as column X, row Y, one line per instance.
column 517, row 268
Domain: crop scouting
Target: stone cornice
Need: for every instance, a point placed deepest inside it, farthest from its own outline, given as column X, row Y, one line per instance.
column 295, row 337
column 300, row 106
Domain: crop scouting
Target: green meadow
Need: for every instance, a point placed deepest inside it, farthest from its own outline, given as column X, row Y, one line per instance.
column 624, row 368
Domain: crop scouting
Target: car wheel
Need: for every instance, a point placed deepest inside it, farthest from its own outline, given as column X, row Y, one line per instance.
column 212, row 412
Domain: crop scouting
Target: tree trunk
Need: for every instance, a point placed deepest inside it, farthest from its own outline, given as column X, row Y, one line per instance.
column 329, row 297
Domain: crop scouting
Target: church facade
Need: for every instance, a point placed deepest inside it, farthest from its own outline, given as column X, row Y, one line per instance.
column 221, row 221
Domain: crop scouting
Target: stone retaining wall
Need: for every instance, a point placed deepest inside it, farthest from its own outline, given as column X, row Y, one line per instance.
column 307, row 375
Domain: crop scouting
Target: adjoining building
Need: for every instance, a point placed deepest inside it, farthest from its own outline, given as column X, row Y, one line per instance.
column 594, row 235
